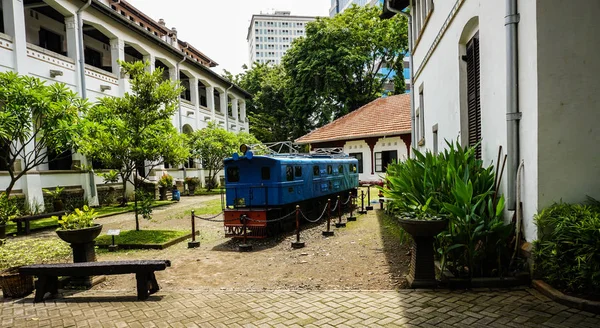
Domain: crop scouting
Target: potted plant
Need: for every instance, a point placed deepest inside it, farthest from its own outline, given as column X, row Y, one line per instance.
column 78, row 227
column 192, row 183
column 8, row 211
column 56, row 196
column 165, row 182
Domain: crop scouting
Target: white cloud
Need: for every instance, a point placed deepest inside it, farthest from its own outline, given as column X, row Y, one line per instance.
column 218, row 28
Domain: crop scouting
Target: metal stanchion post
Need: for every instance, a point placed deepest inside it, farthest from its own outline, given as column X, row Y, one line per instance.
column 352, row 204
column 340, row 224
column 193, row 243
column 245, row 247
column 369, row 207
column 328, row 233
column 297, row 243
column 362, row 202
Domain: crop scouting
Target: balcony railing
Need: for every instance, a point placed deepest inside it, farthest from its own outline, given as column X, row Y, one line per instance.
column 50, row 57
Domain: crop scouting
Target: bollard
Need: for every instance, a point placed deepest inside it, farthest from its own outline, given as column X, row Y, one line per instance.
column 352, row 204
column 297, row 244
column 340, row 224
column 369, row 207
column 328, row 233
column 362, row 203
column 193, row 243
column 245, row 247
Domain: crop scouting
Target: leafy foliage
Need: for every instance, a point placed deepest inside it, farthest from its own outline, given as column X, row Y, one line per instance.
column 18, row 252
column 8, row 209
column 454, row 184
column 165, row 181
column 35, row 117
column 144, row 203
column 78, row 219
column 136, row 128
column 567, row 252
column 56, row 193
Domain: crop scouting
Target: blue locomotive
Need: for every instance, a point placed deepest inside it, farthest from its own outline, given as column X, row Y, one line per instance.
column 264, row 188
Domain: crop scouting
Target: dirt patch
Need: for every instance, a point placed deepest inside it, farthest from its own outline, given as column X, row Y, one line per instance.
column 364, row 255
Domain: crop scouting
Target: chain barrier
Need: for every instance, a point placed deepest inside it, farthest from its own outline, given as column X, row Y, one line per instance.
column 208, row 218
column 347, row 200
column 273, row 220
column 317, row 220
column 336, row 204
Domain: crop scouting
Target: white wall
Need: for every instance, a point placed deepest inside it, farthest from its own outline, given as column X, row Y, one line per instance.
column 569, row 100
column 383, row 144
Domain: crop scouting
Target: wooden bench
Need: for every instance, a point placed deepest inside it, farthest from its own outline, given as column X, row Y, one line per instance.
column 48, row 274
column 28, row 219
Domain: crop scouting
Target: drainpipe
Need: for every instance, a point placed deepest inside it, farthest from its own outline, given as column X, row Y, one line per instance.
column 81, row 49
column 227, row 107
column 180, row 115
column 79, row 15
column 513, row 116
column 408, row 16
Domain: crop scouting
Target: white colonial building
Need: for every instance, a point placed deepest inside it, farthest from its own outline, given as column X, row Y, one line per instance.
column 521, row 74
column 271, row 35
column 78, row 43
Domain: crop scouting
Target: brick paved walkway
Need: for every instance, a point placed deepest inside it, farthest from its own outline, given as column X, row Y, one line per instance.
column 406, row 308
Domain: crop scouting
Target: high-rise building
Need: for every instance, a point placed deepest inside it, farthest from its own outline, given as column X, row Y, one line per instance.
column 338, row 6
column 271, row 35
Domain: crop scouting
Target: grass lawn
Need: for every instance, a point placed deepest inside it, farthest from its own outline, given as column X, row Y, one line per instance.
column 210, row 208
column 142, row 237
column 202, row 191
column 108, row 210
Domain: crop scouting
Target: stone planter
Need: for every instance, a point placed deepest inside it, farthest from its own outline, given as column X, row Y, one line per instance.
column 422, row 268
column 58, row 205
column 191, row 189
column 80, row 236
column 163, row 193
column 82, row 243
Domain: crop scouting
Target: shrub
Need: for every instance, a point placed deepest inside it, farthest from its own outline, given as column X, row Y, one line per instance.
column 33, row 251
column 192, row 181
column 8, row 209
column 567, row 252
column 165, row 181
column 79, row 219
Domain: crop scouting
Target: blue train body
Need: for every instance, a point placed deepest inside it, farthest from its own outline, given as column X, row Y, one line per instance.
column 262, row 187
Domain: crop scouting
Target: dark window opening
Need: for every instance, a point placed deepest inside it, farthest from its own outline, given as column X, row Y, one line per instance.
column 473, row 94
column 202, row 93
column 316, row 171
column 329, row 169
column 289, row 173
column 50, row 41
column 298, row 171
column 100, row 165
column 233, row 174
column 359, row 157
column 93, row 57
column 190, row 163
column 2, row 21
column 186, row 94
column 62, row 161
column 217, row 101
column 141, row 169
column 341, row 169
column 382, row 159
column 265, row 173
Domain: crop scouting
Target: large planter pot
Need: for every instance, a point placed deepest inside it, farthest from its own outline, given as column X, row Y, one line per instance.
column 422, row 268
column 192, row 189
column 163, row 193
column 80, row 236
column 58, row 205
column 15, row 285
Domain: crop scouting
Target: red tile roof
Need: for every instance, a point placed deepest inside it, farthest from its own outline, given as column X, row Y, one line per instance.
column 381, row 117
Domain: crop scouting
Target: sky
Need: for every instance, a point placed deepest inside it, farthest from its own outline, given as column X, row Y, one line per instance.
column 218, row 28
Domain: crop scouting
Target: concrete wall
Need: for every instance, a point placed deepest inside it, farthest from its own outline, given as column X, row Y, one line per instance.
column 383, row 144
column 569, row 101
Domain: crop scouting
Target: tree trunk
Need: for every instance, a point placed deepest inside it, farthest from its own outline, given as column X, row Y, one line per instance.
column 124, row 198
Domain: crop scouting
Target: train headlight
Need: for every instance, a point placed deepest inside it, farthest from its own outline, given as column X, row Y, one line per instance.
column 243, row 148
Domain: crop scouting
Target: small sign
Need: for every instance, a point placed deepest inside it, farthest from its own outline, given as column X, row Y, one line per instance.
column 113, row 232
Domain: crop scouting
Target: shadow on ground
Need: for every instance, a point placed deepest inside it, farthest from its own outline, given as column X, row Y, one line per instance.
column 396, row 252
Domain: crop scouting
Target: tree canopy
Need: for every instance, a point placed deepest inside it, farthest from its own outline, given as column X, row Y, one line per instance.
column 340, row 65
column 136, row 129
column 35, row 119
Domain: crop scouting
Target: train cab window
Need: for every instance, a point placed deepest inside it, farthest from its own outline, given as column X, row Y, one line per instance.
column 316, row 171
column 233, row 174
column 329, row 169
column 289, row 173
column 352, row 168
column 341, row 169
column 265, row 173
column 298, row 171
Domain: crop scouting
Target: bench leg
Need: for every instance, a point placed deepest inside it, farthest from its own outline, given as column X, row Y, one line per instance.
column 43, row 285
column 19, row 227
column 153, row 283
column 142, row 285
column 27, row 229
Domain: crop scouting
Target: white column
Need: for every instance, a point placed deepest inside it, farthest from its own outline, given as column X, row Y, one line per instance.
column 223, row 96
column 195, row 97
column 243, row 115
column 173, row 73
column 234, row 111
column 73, row 46
column 14, row 25
column 152, row 60
column 117, row 52
column 210, row 100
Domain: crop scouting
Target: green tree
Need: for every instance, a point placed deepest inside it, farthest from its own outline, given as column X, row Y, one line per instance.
column 35, row 118
column 336, row 68
column 136, row 129
column 213, row 144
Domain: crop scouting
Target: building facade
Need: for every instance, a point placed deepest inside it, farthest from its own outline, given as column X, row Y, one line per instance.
column 78, row 43
column 271, row 35
column 518, row 74
column 376, row 134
